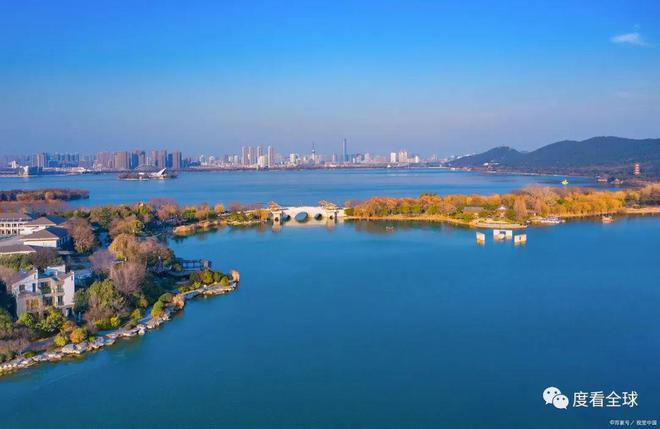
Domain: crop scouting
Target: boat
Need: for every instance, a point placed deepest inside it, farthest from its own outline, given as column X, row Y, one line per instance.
column 144, row 175
column 564, row 182
column 607, row 219
column 551, row 220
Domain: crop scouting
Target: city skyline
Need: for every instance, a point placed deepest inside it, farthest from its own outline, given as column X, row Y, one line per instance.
column 259, row 157
column 434, row 78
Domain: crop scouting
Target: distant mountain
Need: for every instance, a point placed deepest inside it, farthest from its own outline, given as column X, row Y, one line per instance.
column 597, row 155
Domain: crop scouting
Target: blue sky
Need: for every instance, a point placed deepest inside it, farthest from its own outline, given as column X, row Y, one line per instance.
column 431, row 76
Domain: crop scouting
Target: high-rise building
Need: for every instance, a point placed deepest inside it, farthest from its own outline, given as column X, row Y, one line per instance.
column 141, row 158
column 244, row 155
column 393, row 157
column 133, row 160
column 344, row 152
column 403, row 155
column 271, row 158
column 637, row 170
column 121, row 160
column 260, row 151
column 162, row 158
column 41, row 160
column 176, row 160
column 250, row 155
column 153, row 161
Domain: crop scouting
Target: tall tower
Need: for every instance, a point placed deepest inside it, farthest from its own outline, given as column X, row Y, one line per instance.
column 244, row 156
column 344, row 152
column 271, row 160
column 176, row 160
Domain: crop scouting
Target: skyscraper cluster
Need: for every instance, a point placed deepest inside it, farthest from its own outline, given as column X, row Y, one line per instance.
column 131, row 160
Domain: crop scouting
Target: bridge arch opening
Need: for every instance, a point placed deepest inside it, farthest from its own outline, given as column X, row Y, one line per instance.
column 302, row 217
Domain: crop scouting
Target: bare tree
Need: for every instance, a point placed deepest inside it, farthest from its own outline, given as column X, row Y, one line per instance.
column 82, row 233
column 128, row 277
column 102, row 261
column 43, row 257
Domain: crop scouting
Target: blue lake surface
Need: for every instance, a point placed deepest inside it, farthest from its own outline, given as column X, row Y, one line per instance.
column 356, row 326
column 302, row 187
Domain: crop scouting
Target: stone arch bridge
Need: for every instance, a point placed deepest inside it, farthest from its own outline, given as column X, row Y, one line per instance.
column 325, row 212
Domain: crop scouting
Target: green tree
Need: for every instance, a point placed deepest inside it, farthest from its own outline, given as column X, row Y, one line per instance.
column 104, row 301
column 207, row 277
column 158, row 309
column 52, row 321
column 28, row 320
column 80, row 301
column 60, row 340
column 6, row 323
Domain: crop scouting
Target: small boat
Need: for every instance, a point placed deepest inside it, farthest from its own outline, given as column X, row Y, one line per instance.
column 389, row 228
column 564, row 182
column 607, row 219
column 551, row 220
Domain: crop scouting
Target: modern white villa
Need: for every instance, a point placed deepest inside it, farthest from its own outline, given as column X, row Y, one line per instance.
column 36, row 290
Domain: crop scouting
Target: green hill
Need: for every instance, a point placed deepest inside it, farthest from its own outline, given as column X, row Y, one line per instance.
column 597, row 155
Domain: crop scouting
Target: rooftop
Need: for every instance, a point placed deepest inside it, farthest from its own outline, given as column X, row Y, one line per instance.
column 8, row 216
column 48, row 233
column 46, row 220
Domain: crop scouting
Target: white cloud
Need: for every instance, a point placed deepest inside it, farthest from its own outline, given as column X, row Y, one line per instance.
column 629, row 39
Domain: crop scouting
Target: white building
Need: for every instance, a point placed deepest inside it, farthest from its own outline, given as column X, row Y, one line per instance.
column 50, row 236
column 12, row 223
column 40, row 224
column 35, row 291
column 393, row 157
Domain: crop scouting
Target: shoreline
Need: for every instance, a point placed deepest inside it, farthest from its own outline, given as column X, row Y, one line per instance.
column 482, row 223
column 148, row 323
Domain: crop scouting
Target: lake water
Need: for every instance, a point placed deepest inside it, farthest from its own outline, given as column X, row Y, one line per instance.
column 353, row 325
column 287, row 187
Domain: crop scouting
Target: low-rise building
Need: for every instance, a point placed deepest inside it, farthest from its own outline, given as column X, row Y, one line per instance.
column 16, row 249
column 50, row 236
column 41, row 223
column 12, row 223
column 472, row 210
column 34, row 290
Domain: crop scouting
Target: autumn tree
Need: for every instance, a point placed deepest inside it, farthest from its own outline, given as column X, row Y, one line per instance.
column 129, row 225
column 125, row 247
column 520, row 208
column 82, row 234
column 219, row 208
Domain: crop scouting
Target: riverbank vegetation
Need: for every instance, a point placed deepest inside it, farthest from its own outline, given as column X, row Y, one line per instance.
column 134, row 274
column 519, row 206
